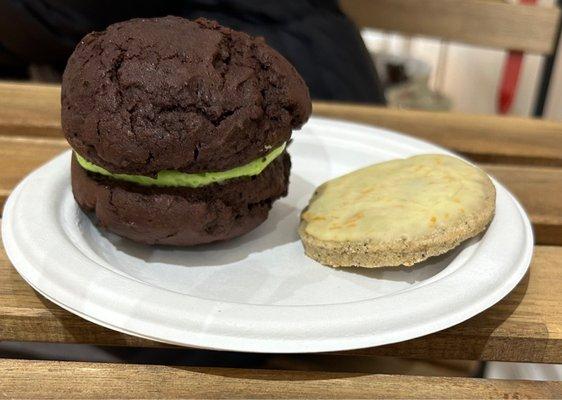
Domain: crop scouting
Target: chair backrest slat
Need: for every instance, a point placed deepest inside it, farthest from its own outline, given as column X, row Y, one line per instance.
column 486, row 23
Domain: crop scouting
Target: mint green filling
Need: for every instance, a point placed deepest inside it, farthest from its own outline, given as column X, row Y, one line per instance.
column 182, row 179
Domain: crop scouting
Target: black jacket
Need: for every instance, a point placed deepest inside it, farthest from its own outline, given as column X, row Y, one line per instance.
column 320, row 41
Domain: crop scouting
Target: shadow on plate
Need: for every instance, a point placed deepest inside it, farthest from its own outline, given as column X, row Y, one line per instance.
column 279, row 229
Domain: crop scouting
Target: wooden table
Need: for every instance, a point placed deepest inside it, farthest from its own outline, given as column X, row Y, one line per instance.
column 525, row 154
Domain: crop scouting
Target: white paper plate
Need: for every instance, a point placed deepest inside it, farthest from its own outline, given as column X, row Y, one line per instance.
column 260, row 293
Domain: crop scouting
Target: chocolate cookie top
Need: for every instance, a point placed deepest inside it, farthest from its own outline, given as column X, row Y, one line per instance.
column 147, row 95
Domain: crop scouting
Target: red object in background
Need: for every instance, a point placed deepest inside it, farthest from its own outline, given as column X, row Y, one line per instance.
column 510, row 77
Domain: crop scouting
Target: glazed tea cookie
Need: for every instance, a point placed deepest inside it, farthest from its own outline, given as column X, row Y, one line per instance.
column 397, row 213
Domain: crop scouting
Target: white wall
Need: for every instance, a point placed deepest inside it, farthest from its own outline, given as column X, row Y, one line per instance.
column 472, row 78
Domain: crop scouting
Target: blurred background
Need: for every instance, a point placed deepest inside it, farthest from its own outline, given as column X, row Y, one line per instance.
column 466, row 77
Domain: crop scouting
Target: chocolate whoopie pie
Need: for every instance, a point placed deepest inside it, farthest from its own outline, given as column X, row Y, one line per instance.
column 179, row 129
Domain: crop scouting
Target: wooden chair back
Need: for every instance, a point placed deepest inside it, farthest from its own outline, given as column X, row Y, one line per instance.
column 487, row 23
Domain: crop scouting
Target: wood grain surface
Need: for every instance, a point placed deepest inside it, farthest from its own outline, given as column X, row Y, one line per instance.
column 34, row 110
column 539, row 190
column 28, row 109
column 484, row 138
column 479, row 22
column 55, row 379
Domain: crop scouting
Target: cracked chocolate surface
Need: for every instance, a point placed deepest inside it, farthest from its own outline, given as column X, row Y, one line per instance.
column 181, row 216
column 170, row 94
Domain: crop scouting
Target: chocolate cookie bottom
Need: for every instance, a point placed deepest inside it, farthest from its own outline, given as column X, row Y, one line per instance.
column 181, row 216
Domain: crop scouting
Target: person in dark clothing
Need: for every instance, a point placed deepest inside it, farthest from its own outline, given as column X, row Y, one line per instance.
column 314, row 35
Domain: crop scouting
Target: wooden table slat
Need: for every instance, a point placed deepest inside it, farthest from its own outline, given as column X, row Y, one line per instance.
column 50, row 379
column 539, row 189
column 30, row 109
column 484, row 138
column 478, row 22
column 34, row 110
